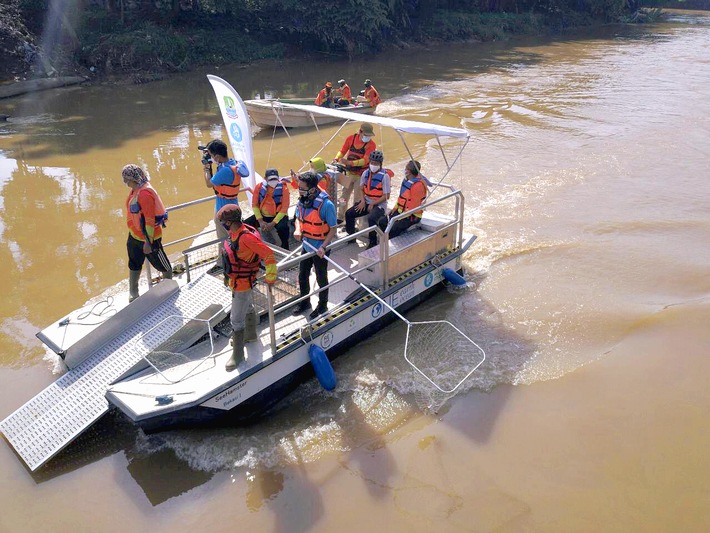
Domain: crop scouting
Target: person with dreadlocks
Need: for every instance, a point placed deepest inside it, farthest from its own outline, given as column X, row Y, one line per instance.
column 145, row 216
column 243, row 252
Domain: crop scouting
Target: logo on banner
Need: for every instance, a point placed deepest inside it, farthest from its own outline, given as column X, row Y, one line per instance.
column 229, row 108
column 428, row 279
column 376, row 310
column 236, row 132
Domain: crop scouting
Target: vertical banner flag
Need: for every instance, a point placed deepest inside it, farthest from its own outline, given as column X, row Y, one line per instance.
column 236, row 120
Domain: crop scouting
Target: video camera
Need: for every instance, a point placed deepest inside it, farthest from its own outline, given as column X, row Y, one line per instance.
column 206, row 159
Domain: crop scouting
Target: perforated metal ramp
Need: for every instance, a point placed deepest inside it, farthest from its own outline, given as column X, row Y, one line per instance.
column 51, row 420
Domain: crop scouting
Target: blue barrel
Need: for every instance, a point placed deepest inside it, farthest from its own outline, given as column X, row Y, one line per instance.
column 321, row 364
column 453, row 277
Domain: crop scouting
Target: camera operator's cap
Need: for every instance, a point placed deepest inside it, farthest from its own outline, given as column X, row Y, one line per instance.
column 230, row 213
column 366, row 128
column 328, row 84
column 271, row 172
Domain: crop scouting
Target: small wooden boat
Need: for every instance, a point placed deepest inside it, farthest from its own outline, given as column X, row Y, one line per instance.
column 270, row 113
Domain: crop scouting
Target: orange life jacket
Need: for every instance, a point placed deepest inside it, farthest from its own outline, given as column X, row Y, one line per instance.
column 411, row 196
column 313, row 224
column 323, row 96
column 241, row 270
column 230, row 191
column 136, row 218
column 373, row 186
column 346, row 94
column 372, row 96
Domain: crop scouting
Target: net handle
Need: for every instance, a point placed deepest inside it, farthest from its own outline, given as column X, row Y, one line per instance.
column 348, row 274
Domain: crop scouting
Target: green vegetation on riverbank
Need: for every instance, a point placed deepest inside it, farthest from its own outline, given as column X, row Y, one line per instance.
column 143, row 39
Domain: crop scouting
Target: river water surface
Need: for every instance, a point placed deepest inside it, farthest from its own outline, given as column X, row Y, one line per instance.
column 587, row 182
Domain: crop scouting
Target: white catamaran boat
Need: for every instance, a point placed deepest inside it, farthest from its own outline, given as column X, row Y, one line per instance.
column 160, row 360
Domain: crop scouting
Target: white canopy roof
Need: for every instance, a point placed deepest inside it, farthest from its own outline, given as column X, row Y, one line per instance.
column 407, row 126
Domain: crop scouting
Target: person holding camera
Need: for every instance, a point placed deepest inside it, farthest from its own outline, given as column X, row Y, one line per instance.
column 316, row 225
column 270, row 203
column 225, row 182
column 145, row 216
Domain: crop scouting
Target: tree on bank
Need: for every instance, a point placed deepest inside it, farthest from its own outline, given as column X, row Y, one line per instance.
column 143, row 37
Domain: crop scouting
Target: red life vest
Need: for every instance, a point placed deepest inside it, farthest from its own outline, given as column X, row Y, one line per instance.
column 313, row 224
column 231, row 190
column 235, row 267
column 407, row 199
column 372, row 96
column 354, row 154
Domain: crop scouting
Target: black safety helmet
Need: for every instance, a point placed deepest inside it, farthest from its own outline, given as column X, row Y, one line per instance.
column 368, row 83
column 341, row 82
column 377, row 156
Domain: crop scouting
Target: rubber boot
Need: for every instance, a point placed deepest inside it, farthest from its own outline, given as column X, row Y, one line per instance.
column 133, row 277
column 250, row 327
column 237, row 351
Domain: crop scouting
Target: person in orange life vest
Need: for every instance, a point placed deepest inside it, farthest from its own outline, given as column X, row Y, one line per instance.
column 412, row 194
column 270, row 203
column 145, row 216
column 375, row 185
column 346, row 97
column 355, row 156
column 371, row 94
column 225, row 182
column 315, row 224
column 243, row 252
column 325, row 97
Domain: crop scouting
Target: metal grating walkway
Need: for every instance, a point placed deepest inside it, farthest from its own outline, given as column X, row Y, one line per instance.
column 51, row 420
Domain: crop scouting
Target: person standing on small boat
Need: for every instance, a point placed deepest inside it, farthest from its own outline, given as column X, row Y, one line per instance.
column 375, row 186
column 371, row 94
column 325, row 97
column 315, row 224
column 412, row 194
column 270, row 203
column 243, row 252
column 355, row 156
column 145, row 216
column 346, row 97
column 226, row 182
